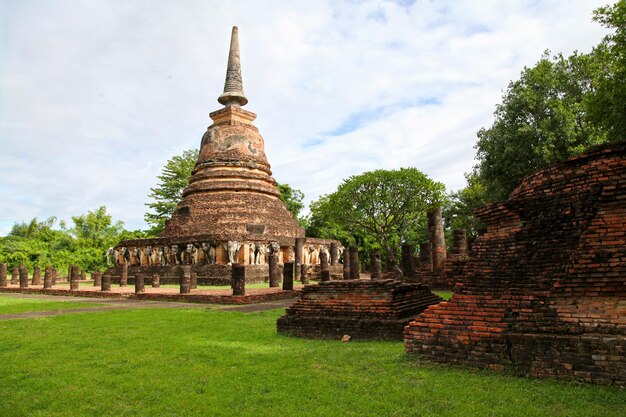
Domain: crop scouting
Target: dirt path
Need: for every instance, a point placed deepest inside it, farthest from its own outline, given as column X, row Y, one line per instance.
column 121, row 304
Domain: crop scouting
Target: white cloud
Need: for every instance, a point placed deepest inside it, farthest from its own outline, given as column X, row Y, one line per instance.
column 96, row 96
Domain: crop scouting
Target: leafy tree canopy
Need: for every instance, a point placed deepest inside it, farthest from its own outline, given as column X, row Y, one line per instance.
column 387, row 207
column 557, row 109
column 173, row 179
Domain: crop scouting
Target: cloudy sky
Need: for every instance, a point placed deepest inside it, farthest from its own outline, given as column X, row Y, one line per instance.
column 95, row 96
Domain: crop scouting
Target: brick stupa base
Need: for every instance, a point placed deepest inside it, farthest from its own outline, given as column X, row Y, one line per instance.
column 362, row 309
column 545, row 293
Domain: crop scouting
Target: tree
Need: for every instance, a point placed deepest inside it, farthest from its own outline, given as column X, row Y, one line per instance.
column 169, row 191
column 95, row 228
column 557, row 109
column 458, row 212
column 175, row 177
column 388, row 207
column 292, row 199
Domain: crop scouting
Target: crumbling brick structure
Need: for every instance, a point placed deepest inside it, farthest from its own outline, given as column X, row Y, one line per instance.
column 363, row 309
column 545, row 289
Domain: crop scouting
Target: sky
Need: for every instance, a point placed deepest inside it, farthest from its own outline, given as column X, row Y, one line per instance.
column 96, row 96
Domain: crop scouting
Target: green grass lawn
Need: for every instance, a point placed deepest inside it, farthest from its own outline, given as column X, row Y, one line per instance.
column 11, row 305
column 157, row 362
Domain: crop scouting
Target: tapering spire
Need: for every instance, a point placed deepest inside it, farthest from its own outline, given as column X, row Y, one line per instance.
column 233, row 87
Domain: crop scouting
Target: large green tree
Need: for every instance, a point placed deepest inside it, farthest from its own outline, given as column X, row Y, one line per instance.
column 387, row 207
column 557, row 109
column 173, row 179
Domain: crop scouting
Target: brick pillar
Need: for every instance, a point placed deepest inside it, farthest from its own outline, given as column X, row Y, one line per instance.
column 23, row 278
column 325, row 275
column 15, row 276
column 408, row 267
column 304, row 274
column 324, row 261
column 460, row 242
column 194, row 280
column 3, row 275
column 239, row 279
column 288, row 275
column 97, row 278
column 375, row 265
column 106, row 283
column 124, row 275
column 426, row 256
column 274, row 271
column 346, row 265
column 298, row 257
column 36, row 276
column 354, row 263
column 83, row 275
column 140, row 286
column 47, row 277
column 334, row 253
column 156, row 281
column 74, row 277
column 184, row 277
column 55, row 276
column 437, row 238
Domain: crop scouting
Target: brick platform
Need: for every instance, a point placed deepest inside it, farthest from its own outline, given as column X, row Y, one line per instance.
column 363, row 309
column 545, row 292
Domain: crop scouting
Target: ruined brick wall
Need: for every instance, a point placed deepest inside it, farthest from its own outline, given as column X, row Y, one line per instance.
column 545, row 291
column 363, row 309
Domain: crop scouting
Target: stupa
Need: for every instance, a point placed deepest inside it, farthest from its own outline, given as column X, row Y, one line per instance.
column 231, row 211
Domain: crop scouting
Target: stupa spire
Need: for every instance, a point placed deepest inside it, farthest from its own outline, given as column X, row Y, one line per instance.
column 233, row 86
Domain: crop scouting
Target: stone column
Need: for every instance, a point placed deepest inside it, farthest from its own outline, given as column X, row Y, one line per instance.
column 325, row 275
column 408, row 267
column 437, row 238
column 274, row 271
column 194, row 280
column 15, row 276
column 375, row 265
column 239, row 280
column 426, row 256
column 23, row 277
column 324, row 261
column 346, row 265
column 36, row 276
column 83, row 275
column 47, row 278
column 74, row 277
column 97, row 278
column 334, row 253
column 298, row 257
column 3, row 275
column 184, row 277
column 55, row 276
column 124, row 275
column 304, row 274
column 139, row 284
column 354, row 263
column 106, row 283
column 156, row 281
column 460, row 242
column 288, row 275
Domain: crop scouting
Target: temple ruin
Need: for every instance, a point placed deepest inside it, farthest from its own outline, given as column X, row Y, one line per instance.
column 544, row 292
column 231, row 211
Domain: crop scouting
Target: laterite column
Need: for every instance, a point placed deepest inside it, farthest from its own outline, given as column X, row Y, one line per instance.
column 274, row 271
column 288, row 275
column 239, row 280
column 354, row 263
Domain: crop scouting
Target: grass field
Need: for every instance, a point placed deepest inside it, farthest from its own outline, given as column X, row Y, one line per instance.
column 157, row 362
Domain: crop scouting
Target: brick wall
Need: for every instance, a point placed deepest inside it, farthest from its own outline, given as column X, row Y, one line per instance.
column 545, row 290
column 363, row 309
